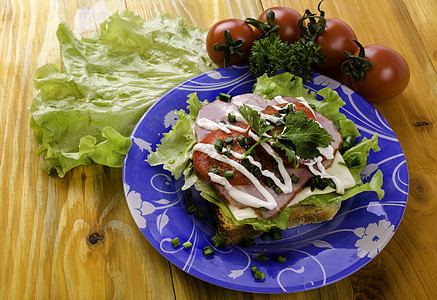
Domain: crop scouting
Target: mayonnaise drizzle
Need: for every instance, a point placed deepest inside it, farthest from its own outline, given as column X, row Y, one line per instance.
column 211, row 125
column 240, row 196
column 287, row 186
column 270, row 202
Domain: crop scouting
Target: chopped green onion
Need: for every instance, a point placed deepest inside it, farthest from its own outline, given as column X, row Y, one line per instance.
column 175, row 242
column 229, row 140
column 191, row 209
column 331, row 183
column 187, row 245
column 214, row 170
column 225, row 97
column 269, row 182
column 232, row 118
column 257, row 273
column 208, row 251
column 281, row 259
column 294, row 178
column 261, row 257
column 321, row 183
column 229, row 174
column 276, row 234
column 277, row 190
column 256, row 172
column 244, row 142
column 218, row 241
column 218, row 145
column 245, row 162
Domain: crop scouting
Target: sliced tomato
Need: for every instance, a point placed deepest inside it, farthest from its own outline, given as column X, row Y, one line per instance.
column 202, row 163
column 297, row 106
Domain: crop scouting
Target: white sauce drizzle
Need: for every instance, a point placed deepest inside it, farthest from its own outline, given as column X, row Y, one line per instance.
column 240, row 196
column 327, row 152
column 287, row 186
column 211, row 125
column 270, row 202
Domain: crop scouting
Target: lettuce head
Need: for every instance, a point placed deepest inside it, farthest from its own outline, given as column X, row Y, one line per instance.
column 88, row 105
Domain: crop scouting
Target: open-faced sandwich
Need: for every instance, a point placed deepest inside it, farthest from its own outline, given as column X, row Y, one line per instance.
column 275, row 158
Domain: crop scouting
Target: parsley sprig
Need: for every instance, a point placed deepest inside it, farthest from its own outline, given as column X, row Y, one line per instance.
column 300, row 137
column 272, row 56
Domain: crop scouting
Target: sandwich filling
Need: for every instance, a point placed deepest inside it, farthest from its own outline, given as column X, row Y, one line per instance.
column 256, row 155
column 243, row 152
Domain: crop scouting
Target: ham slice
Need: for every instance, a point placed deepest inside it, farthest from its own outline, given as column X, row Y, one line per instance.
column 218, row 110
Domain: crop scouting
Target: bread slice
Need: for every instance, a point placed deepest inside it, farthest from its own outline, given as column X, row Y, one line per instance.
column 299, row 215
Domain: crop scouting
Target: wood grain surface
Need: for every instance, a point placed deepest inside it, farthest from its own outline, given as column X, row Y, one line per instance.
column 75, row 238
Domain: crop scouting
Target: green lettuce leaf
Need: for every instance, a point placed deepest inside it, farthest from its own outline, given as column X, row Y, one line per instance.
column 108, row 80
column 174, row 153
column 356, row 157
column 323, row 200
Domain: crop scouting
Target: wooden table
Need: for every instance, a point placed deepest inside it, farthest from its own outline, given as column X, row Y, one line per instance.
column 75, row 238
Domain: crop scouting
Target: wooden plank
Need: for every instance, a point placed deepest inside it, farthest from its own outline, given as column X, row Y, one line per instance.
column 48, row 221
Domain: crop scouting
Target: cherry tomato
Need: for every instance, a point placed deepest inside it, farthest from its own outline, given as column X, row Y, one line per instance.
column 238, row 31
column 337, row 38
column 387, row 78
column 286, row 18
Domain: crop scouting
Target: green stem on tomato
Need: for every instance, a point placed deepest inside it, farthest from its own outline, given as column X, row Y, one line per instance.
column 268, row 27
column 315, row 26
column 230, row 47
column 356, row 66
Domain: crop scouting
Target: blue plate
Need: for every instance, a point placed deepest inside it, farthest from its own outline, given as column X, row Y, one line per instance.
column 316, row 255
